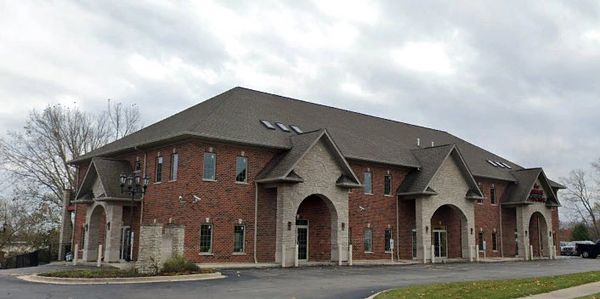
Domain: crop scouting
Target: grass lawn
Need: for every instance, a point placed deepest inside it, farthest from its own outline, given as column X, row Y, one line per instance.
column 109, row 272
column 595, row 296
column 509, row 288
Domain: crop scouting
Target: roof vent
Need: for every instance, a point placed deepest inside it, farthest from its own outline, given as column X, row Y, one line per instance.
column 296, row 129
column 282, row 127
column 418, row 141
column 267, row 124
column 432, row 143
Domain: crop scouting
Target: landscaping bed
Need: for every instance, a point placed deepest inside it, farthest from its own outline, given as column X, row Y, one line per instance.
column 509, row 288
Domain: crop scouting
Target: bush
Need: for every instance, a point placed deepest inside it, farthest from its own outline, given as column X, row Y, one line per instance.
column 178, row 264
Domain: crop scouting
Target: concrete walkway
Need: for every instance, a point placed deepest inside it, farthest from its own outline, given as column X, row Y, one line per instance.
column 574, row 292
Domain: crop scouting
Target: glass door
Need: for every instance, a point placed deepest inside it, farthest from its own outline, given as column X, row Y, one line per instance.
column 125, row 250
column 302, row 239
column 440, row 242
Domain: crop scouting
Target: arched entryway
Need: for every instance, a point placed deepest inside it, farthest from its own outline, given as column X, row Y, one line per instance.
column 96, row 232
column 449, row 232
column 316, row 229
column 538, row 235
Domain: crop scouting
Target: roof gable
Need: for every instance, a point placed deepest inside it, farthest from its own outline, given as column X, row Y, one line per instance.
column 418, row 182
column 282, row 169
column 103, row 174
column 526, row 180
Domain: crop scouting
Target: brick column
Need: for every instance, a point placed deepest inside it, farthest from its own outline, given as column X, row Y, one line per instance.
column 66, row 227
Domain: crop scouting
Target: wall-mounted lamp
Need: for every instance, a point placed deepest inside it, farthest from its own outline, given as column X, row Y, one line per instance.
column 549, row 234
column 108, row 225
column 525, row 233
column 343, row 226
column 471, row 230
column 86, row 227
column 426, row 229
column 289, row 225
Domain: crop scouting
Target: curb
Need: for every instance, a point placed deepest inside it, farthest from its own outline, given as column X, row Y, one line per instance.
column 123, row 280
column 376, row 294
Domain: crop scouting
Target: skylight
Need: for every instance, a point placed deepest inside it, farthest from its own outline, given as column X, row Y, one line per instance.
column 283, row 127
column 506, row 165
column 499, row 164
column 267, row 124
column 296, row 129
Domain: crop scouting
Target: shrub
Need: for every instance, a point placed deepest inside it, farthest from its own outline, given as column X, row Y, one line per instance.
column 178, row 264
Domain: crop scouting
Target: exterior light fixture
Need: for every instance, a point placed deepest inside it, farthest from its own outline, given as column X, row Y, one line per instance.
column 136, row 185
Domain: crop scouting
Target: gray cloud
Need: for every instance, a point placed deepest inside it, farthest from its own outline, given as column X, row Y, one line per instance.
column 518, row 78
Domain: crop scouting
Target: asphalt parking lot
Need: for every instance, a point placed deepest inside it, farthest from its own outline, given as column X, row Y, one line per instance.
column 307, row 282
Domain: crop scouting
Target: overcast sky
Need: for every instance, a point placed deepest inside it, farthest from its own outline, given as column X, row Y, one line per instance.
column 519, row 78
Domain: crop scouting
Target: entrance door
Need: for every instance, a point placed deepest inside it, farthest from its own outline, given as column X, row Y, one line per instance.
column 302, row 239
column 440, row 242
column 125, row 250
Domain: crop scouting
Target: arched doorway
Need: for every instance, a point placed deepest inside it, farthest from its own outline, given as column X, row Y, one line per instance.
column 449, row 233
column 538, row 234
column 316, row 229
column 96, row 232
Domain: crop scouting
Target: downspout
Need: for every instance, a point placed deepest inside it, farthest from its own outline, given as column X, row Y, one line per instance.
column 255, row 219
column 397, row 242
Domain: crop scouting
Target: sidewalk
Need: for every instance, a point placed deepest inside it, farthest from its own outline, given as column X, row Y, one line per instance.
column 574, row 292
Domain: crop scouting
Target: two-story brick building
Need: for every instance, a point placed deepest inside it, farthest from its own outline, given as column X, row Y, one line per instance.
column 250, row 177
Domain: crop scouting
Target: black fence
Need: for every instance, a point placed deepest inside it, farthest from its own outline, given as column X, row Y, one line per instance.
column 32, row 259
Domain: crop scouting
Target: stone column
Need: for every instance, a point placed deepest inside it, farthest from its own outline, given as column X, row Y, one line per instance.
column 66, row 227
column 423, row 222
column 286, row 234
column 151, row 241
column 522, row 231
column 114, row 216
column 339, row 237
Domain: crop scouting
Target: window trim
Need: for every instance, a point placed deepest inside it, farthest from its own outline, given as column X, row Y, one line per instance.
column 243, row 239
column 481, row 239
column 245, row 181
column 493, row 198
column 414, row 245
column 214, row 173
column 174, row 167
column 385, row 242
column 494, row 242
column 391, row 185
column 212, row 232
column 158, row 170
column 370, row 183
column 370, row 230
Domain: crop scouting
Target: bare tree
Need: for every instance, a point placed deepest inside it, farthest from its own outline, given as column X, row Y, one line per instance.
column 582, row 195
column 39, row 154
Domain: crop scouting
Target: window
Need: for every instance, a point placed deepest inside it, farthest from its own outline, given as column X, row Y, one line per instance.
column 206, row 238
column 238, row 238
column 267, row 124
column 296, row 129
column 480, row 185
column 174, row 166
column 368, row 183
column 414, row 243
column 368, row 240
column 388, row 239
column 387, row 185
column 210, row 161
column 481, row 241
column 159, row 162
column 283, row 127
column 241, row 169
column 516, row 242
column 494, row 242
column 493, row 194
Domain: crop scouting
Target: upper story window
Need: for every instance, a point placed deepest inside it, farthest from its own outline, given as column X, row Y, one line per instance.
column 387, row 185
column 210, row 166
column 368, row 182
column 159, row 164
column 174, row 166
column 493, row 194
column 241, row 169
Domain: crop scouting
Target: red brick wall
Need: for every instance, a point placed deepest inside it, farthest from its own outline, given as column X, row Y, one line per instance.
column 223, row 201
column 487, row 215
column 406, row 216
column 509, row 224
column 267, row 226
column 80, row 211
column 379, row 210
column 318, row 215
column 449, row 218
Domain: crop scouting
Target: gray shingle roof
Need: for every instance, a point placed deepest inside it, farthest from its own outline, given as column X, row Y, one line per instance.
column 108, row 171
column 235, row 116
column 519, row 193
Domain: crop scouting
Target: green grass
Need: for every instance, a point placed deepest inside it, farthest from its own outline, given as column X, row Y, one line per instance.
column 509, row 288
column 595, row 296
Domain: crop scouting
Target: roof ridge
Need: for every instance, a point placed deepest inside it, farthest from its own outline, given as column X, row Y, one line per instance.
column 339, row 109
